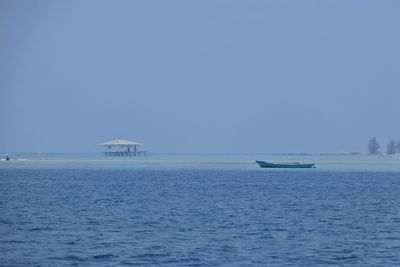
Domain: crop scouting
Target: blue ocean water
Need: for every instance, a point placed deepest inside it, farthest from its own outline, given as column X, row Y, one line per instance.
column 198, row 211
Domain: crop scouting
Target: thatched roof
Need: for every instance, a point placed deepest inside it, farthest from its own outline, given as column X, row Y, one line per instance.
column 120, row 142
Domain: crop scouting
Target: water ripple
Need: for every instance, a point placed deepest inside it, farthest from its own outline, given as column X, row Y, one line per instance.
column 198, row 218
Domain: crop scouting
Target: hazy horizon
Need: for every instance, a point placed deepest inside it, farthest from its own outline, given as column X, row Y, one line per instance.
column 199, row 76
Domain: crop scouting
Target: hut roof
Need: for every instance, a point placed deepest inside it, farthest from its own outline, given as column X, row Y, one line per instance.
column 120, row 142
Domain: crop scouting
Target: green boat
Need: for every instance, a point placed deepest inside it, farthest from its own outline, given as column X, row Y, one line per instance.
column 264, row 164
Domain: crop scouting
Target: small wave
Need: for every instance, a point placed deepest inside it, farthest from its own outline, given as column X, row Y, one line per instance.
column 105, row 256
column 2, row 221
column 127, row 263
column 35, row 229
column 349, row 257
column 17, row 241
column 68, row 258
column 150, row 255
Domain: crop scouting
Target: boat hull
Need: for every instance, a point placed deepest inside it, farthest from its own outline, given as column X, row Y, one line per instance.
column 265, row 164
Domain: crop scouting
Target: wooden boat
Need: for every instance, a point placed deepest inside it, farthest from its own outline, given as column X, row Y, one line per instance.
column 265, row 164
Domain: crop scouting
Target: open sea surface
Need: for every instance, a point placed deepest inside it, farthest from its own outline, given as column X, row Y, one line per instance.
column 199, row 210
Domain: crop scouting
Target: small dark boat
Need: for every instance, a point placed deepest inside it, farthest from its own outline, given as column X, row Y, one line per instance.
column 264, row 164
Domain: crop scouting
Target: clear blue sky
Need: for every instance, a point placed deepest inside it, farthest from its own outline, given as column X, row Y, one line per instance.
column 199, row 76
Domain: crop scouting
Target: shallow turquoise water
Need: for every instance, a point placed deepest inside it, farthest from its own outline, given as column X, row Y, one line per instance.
column 200, row 161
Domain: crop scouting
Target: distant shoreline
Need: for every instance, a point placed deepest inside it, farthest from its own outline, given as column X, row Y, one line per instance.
column 4, row 154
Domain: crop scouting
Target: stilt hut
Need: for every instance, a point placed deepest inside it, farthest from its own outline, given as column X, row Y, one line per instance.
column 122, row 148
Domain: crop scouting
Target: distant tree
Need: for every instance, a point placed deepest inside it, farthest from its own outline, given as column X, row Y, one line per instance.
column 391, row 147
column 373, row 146
column 398, row 146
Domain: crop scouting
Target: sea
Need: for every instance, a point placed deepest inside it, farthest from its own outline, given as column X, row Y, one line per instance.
column 199, row 210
